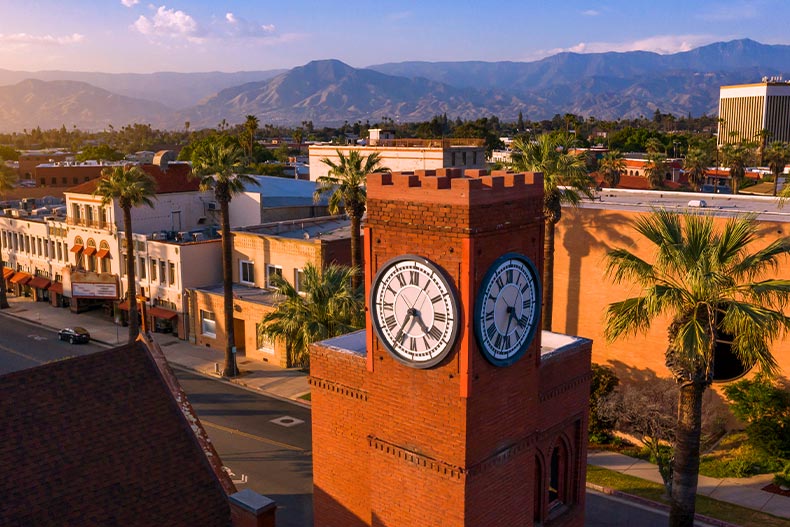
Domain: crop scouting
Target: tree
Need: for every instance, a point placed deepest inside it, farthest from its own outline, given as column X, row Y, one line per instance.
column 778, row 155
column 215, row 163
column 7, row 183
column 655, row 169
column 703, row 279
column 695, row 165
column 327, row 307
column 565, row 180
column 611, row 167
column 247, row 138
column 132, row 188
column 99, row 153
column 736, row 157
column 345, row 184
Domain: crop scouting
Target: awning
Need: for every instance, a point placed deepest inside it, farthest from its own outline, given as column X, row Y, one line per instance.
column 39, row 282
column 89, row 251
column 76, row 248
column 56, row 287
column 103, row 253
column 164, row 314
column 7, row 273
column 21, row 278
column 124, row 305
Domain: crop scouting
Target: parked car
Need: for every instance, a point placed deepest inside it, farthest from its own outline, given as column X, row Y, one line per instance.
column 74, row 335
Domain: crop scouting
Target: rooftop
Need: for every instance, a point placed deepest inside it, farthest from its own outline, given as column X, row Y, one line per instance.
column 175, row 179
column 244, row 292
column 324, row 228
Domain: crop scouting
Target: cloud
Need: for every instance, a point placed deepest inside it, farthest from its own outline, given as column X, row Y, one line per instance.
column 130, row 3
column 401, row 15
column 41, row 40
column 591, row 12
column 663, row 44
column 241, row 28
column 169, row 23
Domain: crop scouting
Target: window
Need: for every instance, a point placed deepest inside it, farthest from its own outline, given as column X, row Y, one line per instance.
column 299, row 280
column 272, row 270
column 208, row 326
column 171, row 270
column 123, row 265
column 142, row 267
column 263, row 343
column 463, row 158
column 153, row 269
column 247, row 272
column 162, row 271
column 558, row 480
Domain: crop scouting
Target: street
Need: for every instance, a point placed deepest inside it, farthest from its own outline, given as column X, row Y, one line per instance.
column 264, row 439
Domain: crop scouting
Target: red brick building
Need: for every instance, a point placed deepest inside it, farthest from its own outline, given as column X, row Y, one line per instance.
column 463, row 439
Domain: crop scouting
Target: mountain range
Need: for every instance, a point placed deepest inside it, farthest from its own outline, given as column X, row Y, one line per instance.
column 604, row 85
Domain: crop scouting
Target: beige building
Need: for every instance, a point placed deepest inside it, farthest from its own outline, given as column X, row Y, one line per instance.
column 745, row 110
column 282, row 248
column 406, row 155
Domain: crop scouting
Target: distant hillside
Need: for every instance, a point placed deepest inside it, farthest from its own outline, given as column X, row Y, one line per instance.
column 330, row 91
column 603, row 85
column 52, row 104
column 176, row 90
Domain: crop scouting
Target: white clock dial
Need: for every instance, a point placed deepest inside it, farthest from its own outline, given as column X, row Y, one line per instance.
column 507, row 309
column 414, row 311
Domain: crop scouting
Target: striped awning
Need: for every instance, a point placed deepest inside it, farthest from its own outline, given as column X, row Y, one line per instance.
column 89, row 251
column 39, row 282
column 103, row 253
column 21, row 278
column 76, row 248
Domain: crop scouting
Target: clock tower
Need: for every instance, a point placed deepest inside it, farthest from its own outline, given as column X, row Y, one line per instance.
column 451, row 408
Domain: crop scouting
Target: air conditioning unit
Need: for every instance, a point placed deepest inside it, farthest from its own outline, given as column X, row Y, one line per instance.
column 212, row 206
column 197, row 236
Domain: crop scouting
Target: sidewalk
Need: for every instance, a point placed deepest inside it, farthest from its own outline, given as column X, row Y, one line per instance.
column 290, row 384
column 282, row 383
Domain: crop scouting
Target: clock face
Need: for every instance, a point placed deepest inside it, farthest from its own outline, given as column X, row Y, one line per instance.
column 507, row 309
column 414, row 311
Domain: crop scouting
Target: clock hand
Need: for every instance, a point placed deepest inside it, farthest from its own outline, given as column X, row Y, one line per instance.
column 511, row 316
column 402, row 330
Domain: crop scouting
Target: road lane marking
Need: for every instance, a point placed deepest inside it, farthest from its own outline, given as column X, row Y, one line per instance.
column 252, row 436
column 14, row 352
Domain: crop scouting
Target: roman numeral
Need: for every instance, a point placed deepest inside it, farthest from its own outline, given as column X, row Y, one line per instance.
column 436, row 299
column 388, row 306
column 489, row 316
column 523, row 321
column 527, row 303
column 498, row 340
column 425, row 342
column 509, row 276
column 390, row 322
column 401, row 279
column 434, row 333
column 491, row 331
column 439, row 317
column 507, row 341
column 414, row 278
column 526, row 286
column 500, row 284
column 413, row 344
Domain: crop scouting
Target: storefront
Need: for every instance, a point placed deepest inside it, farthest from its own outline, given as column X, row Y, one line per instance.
column 19, row 283
column 40, row 288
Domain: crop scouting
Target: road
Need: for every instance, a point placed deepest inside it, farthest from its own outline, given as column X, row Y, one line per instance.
column 275, row 458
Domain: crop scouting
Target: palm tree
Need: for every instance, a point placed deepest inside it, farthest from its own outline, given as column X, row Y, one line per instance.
column 215, row 162
column 345, row 183
column 703, row 279
column 565, row 180
column 695, row 165
column 328, row 307
column 655, row 169
column 7, row 183
column 611, row 167
column 132, row 188
column 736, row 158
column 251, row 125
column 778, row 155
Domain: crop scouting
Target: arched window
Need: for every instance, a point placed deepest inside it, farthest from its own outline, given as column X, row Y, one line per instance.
column 90, row 255
column 537, row 499
column 558, row 476
column 104, row 256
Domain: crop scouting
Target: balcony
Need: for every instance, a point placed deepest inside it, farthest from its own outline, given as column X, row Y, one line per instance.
column 96, row 224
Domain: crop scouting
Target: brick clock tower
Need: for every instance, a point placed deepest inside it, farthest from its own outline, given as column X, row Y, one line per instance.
column 452, row 408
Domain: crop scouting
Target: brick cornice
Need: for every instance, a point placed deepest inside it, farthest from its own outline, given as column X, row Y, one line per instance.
column 564, row 387
column 419, row 460
column 342, row 389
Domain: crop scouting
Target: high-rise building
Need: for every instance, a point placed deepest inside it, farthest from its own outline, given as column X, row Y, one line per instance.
column 746, row 110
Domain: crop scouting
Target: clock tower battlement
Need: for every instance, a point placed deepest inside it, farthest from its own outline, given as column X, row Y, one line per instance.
column 436, row 414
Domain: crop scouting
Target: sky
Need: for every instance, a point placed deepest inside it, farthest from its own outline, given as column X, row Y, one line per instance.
column 243, row 35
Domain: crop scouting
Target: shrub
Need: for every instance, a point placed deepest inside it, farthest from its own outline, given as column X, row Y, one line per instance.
column 783, row 478
column 603, row 383
column 765, row 408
